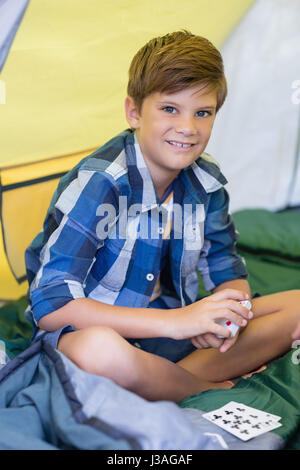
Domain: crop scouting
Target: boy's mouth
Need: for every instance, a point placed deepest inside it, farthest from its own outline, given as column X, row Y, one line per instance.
column 181, row 145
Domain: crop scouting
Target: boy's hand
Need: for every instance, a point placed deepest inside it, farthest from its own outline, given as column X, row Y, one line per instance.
column 228, row 343
column 209, row 340
column 199, row 319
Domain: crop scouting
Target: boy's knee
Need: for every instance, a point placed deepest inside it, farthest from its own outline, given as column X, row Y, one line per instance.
column 96, row 349
column 86, row 346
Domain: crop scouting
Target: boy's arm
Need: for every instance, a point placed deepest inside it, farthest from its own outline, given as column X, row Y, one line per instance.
column 180, row 323
column 59, row 260
column 239, row 284
column 220, row 264
column 128, row 322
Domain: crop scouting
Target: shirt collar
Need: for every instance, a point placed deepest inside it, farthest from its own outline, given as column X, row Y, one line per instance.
column 143, row 190
column 205, row 170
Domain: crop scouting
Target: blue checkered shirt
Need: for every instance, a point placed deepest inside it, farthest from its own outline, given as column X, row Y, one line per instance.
column 86, row 251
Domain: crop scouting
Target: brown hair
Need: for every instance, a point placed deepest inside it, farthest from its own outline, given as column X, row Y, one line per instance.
column 173, row 62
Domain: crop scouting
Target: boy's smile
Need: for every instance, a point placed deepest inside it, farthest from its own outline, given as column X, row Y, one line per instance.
column 172, row 130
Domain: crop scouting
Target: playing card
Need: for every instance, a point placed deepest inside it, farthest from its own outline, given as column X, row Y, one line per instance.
column 253, row 411
column 242, row 421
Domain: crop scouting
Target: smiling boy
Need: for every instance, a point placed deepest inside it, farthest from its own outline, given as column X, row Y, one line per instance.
column 126, row 307
column 173, row 130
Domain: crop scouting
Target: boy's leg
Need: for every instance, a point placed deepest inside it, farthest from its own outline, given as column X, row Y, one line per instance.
column 267, row 336
column 102, row 351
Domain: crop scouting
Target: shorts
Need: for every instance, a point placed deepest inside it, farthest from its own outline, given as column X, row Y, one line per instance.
column 171, row 349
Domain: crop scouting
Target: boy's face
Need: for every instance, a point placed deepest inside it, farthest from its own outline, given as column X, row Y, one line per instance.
column 172, row 129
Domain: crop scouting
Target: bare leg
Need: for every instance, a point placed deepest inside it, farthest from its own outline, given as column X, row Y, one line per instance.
column 102, row 351
column 267, row 336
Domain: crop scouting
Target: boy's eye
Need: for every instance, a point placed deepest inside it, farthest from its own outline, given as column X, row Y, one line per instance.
column 169, row 109
column 172, row 110
column 203, row 113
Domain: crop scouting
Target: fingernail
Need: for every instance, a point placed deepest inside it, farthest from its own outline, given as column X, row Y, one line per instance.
column 250, row 315
column 244, row 323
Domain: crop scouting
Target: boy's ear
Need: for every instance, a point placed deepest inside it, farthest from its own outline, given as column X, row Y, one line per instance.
column 132, row 113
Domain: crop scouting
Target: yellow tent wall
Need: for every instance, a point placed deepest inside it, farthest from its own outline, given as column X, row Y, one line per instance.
column 65, row 80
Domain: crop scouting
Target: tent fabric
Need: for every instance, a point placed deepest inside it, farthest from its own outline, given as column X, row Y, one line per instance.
column 65, row 80
column 257, row 132
column 67, row 70
column 26, row 193
column 11, row 14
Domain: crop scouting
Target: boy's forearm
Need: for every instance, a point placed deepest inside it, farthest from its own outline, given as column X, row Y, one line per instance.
column 129, row 322
column 239, row 284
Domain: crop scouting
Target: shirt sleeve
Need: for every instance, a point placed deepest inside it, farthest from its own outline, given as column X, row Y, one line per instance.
column 63, row 253
column 219, row 260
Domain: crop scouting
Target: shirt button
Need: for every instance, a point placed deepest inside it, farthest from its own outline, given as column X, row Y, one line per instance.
column 160, row 230
column 149, row 277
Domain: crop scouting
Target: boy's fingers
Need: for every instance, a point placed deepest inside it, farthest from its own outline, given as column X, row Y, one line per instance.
column 234, row 306
column 220, row 331
column 207, row 340
column 226, row 345
column 238, row 308
column 212, row 340
column 199, row 342
column 227, row 314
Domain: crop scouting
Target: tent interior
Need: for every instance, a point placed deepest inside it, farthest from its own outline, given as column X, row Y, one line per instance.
column 63, row 77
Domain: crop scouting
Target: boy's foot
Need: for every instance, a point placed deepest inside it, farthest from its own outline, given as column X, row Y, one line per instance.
column 206, row 385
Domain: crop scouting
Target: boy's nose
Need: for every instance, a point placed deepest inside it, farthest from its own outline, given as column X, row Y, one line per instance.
column 186, row 126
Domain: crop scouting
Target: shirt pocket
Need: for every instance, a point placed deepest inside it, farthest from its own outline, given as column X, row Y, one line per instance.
column 192, row 241
column 113, row 263
column 194, row 229
column 189, row 263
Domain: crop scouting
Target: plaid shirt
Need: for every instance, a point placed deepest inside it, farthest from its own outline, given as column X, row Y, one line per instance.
column 81, row 252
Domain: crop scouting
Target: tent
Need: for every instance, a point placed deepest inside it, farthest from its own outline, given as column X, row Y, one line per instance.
column 257, row 134
column 65, row 83
column 11, row 15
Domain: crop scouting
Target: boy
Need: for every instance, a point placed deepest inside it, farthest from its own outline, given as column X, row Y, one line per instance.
column 113, row 274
